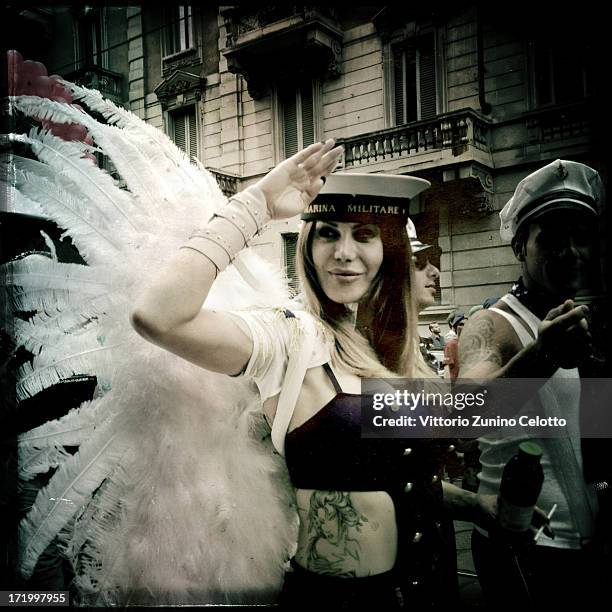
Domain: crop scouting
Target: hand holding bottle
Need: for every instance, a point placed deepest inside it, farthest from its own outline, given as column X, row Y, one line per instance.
column 486, row 516
column 518, row 517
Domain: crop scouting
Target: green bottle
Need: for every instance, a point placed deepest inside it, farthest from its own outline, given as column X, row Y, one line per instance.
column 520, row 487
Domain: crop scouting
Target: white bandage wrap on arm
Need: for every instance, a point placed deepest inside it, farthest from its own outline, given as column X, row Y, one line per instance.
column 231, row 228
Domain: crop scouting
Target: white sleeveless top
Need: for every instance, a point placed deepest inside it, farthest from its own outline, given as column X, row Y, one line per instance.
column 562, row 459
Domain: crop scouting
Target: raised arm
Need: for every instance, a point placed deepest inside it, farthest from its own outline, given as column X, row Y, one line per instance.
column 169, row 312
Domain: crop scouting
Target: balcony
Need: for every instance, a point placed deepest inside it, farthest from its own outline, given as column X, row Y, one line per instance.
column 227, row 181
column 451, row 147
column 452, row 137
column 105, row 81
column 467, row 136
column 276, row 42
column 466, row 146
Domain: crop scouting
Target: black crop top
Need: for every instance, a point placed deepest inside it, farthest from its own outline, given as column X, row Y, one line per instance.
column 327, row 452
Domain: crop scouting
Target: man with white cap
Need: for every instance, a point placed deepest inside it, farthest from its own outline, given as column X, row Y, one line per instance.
column 537, row 331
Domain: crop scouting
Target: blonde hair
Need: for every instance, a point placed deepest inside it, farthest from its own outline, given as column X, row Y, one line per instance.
column 389, row 346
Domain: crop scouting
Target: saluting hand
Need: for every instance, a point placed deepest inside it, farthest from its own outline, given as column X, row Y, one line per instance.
column 295, row 182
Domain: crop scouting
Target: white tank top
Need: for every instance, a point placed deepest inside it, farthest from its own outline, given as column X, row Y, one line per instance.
column 572, row 520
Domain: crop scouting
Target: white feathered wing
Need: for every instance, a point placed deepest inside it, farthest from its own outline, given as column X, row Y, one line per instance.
column 175, row 494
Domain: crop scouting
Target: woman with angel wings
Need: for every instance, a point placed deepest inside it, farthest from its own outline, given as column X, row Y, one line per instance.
column 176, row 494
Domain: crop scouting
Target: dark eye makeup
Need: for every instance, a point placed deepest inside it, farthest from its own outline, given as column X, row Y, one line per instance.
column 326, row 232
column 361, row 233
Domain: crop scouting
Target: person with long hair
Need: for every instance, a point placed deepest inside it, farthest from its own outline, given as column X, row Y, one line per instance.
column 369, row 509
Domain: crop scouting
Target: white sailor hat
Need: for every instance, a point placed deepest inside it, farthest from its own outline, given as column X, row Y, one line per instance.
column 558, row 185
column 368, row 198
column 415, row 244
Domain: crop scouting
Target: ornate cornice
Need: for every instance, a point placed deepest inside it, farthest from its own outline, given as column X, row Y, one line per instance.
column 179, row 82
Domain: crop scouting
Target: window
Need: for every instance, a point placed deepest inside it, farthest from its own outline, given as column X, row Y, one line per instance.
column 91, row 37
column 289, row 250
column 561, row 74
column 414, row 80
column 297, row 117
column 184, row 131
column 178, row 30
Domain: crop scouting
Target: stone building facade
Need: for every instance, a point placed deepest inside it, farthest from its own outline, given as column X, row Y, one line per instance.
column 467, row 98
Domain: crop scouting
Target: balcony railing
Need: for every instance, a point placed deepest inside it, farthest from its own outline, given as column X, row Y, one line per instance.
column 559, row 123
column 243, row 21
column 455, row 131
column 94, row 77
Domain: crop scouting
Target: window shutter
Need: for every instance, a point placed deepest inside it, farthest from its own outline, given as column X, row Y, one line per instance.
column 427, row 77
column 193, row 134
column 399, row 84
column 542, row 73
column 180, row 135
column 298, row 117
column 185, row 131
column 290, row 122
column 404, row 82
column 308, row 135
column 289, row 251
column 568, row 76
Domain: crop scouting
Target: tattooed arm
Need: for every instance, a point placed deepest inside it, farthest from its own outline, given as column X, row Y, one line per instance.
column 490, row 348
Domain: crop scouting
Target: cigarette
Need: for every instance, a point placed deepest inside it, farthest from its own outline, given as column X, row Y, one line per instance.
column 541, row 529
